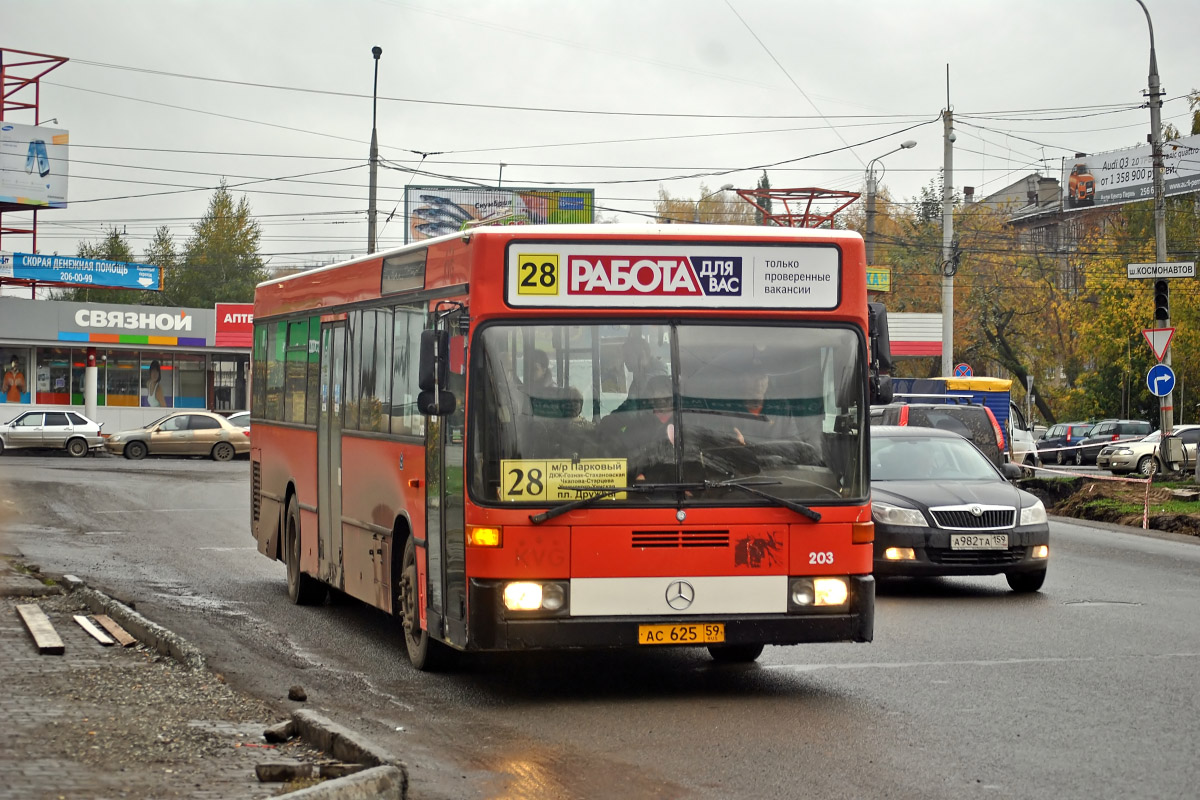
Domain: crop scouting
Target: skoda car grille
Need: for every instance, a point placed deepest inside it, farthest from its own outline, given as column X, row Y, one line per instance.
column 974, row 517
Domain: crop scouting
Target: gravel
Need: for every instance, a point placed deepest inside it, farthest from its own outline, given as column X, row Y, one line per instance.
column 129, row 722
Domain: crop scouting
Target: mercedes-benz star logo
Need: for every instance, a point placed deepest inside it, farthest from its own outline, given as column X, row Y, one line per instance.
column 977, row 511
column 680, row 595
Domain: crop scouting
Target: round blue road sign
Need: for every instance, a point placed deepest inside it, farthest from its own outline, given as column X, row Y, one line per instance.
column 1160, row 380
column 963, row 371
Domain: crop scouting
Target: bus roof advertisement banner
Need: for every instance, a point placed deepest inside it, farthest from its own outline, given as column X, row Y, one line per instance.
column 1127, row 176
column 679, row 275
column 33, row 167
column 437, row 210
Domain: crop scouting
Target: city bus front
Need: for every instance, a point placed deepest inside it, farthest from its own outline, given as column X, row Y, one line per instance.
column 687, row 480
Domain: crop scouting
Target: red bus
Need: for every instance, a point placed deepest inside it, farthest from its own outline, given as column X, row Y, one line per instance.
column 540, row 437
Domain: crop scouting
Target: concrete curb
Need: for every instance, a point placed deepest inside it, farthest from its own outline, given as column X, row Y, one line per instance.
column 149, row 633
column 387, row 778
column 387, row 783
column 340, row 742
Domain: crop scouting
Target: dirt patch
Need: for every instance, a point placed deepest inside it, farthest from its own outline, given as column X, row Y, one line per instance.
column 1107, row 501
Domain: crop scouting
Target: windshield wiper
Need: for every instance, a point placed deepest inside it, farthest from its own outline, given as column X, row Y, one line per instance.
column 608, row 491
column 748, row 487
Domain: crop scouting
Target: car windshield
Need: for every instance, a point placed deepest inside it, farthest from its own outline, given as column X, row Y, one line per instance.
column 557, row 408
column 928, row 458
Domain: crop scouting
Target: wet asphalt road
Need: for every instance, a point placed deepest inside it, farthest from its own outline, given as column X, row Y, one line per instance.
column 1085, row 690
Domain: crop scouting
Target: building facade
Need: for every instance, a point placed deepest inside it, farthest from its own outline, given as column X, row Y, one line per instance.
column 148, row 359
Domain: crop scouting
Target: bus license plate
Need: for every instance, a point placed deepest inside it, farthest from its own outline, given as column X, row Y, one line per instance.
column 979, row 541
column 701, row 633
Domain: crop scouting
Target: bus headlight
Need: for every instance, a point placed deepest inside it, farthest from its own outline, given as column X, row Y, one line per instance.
column 811, row 593
column 531, row 596
column 831, row 591
column 523, row 596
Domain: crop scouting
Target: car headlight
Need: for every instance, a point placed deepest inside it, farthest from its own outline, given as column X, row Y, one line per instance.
column 1034, row 514
column 1121, row 451
column 888, row 514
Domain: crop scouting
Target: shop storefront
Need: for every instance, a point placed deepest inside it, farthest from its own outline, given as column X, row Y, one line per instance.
column 147, row 359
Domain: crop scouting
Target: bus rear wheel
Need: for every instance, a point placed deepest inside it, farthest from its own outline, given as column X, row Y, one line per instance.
column 303, row 590
column 425, row 653
column 735, row 653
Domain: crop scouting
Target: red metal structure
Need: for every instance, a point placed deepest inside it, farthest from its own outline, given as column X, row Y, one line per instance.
column 803, row 208
column 21, row 91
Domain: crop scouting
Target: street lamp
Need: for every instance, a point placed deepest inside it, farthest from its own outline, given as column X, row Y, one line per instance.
column 376, row 52
column 1154, row 93
column 871, row 191
column 696, row 210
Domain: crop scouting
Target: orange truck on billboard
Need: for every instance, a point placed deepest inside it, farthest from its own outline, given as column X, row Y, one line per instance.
column 577, row 436
column 1081, row 187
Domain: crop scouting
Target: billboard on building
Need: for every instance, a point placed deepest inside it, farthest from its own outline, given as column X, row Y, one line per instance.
column 1127, row 176
column 437, row 210
column 33, row 167
column 91, row 273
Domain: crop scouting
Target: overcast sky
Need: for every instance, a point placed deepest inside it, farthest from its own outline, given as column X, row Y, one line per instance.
column 164, row 99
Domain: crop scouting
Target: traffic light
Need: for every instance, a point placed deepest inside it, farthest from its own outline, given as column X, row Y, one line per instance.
column 1162, row 309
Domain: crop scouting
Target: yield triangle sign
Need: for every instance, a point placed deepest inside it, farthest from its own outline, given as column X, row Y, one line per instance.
column 1159, row 340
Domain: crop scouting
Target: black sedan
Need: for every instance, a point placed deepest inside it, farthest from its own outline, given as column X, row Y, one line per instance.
column 942, row 508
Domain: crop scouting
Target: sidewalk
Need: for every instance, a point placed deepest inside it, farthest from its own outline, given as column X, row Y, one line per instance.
column 130, row 722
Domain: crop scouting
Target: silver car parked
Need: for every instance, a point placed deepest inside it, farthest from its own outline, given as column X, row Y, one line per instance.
column 51, row 430
column 1142, row 456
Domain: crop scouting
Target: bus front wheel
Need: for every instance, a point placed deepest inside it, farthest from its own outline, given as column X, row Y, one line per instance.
column 425, row 653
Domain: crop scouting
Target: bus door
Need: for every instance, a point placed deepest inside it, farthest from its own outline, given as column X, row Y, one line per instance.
column 329, row 453
column 445, row 524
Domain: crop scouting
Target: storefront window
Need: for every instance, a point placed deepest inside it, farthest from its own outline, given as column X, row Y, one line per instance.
column 158, row 379
column 53, row 376
column 123, row 379
column 15, row 386
column 79, row 376
column 189, row 381
column 230, row 379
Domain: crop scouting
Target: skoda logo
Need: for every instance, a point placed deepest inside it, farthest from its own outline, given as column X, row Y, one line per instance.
column 977, row 511
column 680, row 595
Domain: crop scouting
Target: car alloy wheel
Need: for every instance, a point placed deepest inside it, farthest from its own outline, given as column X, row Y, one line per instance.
column 77, row 448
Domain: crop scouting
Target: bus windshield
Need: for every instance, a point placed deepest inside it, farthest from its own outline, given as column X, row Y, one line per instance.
column 559, row 410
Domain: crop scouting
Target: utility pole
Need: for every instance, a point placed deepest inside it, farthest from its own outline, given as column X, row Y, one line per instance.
column 949, row 267
column 1166, row 411
column 376, row 52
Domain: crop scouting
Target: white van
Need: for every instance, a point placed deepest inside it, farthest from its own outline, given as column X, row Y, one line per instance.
column 1022, row 447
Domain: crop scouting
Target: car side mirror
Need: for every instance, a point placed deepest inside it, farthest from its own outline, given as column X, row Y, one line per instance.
column 1012, row 471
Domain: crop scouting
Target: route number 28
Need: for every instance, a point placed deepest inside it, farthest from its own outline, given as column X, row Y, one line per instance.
column 525, row 482
column 537, row 274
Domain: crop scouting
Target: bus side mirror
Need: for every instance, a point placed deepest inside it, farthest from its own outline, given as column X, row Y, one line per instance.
column 880, row 340
column 881, row 354
column 434, row 367
column 444, row 405
column 433, row 375
column 881, row 390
